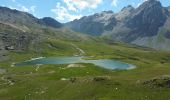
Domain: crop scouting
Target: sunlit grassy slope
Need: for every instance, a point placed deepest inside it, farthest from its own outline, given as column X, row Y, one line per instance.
column 57, row 82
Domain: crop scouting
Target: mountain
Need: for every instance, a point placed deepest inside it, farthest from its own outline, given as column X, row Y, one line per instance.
column 168, row 8
column 145, row 21
column 95, row 24
column 18, row 18
column 124, row 13
column 147, row 25
column 25, row 20
column 48, row 21
column 21, row 31
column 13, row 38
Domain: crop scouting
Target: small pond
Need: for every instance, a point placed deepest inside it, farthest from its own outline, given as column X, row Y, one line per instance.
column 105, row 63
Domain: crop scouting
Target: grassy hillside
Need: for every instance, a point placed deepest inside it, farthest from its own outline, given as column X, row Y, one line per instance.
column 23, row 37
column 58, row 82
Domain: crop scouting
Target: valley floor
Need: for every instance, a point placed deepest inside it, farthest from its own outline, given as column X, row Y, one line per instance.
column 149, row 81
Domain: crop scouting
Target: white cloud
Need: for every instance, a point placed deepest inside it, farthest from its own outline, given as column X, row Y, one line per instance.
column 114, row 3
column 74, row 5
column 24, row 9
column 32, row 9
column 62, row 13
column 70, row 5
column 12, row 7
column 66, row 12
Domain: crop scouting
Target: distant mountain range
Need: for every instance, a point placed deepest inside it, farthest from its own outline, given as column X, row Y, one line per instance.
column 19, row 18
column 21, row 31
column 147, row 25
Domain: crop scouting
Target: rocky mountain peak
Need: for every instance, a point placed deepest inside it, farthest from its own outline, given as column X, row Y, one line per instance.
column 125, row 12
column 150, row 3
column 130, row 24
column 5, row 9
column 8, row 11
column 168, row 8
column 48, row 21
column 25, row 19
column 147, row 18
column 129, row 8
column 108, row 12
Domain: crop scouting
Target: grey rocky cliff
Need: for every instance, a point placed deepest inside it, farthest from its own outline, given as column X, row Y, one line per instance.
column 130, row 25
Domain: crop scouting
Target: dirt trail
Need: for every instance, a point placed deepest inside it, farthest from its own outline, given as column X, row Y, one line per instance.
column 37, row 67
column 81, row 52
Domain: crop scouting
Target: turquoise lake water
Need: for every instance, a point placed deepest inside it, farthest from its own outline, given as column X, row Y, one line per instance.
column 105, row 63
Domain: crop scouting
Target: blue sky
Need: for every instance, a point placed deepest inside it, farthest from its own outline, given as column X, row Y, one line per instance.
column 67, row 10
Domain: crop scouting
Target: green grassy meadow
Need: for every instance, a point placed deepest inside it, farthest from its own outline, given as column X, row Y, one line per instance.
column 58, row 82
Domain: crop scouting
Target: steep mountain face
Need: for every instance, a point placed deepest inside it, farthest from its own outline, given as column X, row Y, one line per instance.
column 124, row 13
column 146, row 20
column 148, row 25
column 13, row 38
column 95, row 24
column 48, row 21
column 17, row 17
column 21, row 31
column 168, row 8
column 25, row 20
column 17, row 28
